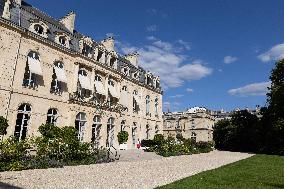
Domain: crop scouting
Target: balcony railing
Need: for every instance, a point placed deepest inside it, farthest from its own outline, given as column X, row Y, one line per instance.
column 77, row 98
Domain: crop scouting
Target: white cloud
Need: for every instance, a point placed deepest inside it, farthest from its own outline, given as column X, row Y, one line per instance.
column 185, row 45
column 254, row 89
column 274, row 54
column 162, row 59
column 151, row 38
column 177, row 96
column 189, row 90
column 230, row 59
column 152, row 28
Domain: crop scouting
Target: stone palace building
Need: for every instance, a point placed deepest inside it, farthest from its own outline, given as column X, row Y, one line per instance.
column 50, row 73
column 195, row 123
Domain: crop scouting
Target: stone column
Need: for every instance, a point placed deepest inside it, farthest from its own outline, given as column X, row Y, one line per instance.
column 96, row 52
column 106, row 86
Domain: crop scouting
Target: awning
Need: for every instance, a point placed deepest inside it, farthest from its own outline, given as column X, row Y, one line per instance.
column 60, row 74
column 34, row 66
column 85, row 82
column 124, row 98
column 100, row 88
column 113, row 92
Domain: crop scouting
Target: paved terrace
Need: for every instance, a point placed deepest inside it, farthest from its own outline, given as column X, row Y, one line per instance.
column 135, row 169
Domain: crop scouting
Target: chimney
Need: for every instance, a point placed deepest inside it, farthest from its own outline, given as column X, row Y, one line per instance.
column 18, row 2
column 133, row 58
column 69, row 21
column 108, row 43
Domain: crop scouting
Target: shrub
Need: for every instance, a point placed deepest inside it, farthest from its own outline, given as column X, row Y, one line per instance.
column 159, row 139
column 49, row 131
column 3, row 125
column 122, row 137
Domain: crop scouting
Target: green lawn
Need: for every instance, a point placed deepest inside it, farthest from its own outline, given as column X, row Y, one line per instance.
column 259, row 171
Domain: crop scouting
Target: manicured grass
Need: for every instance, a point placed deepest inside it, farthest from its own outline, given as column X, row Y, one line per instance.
column 257, row 172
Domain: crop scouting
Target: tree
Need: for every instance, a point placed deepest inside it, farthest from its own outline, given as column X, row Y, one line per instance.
column 221, row 130
column 273, row 117
column 122, row 137
column 3, row 126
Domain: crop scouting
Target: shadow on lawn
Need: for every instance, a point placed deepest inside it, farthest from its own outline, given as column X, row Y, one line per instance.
column 8, row 186
column 275, row 185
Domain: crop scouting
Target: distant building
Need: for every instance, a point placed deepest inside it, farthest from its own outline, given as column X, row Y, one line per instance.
column 195, row 123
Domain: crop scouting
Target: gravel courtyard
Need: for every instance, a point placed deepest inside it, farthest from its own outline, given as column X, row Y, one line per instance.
column 143, row 173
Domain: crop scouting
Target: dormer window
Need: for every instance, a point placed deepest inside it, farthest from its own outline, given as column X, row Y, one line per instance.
column 62, row 40
column 112, row 62
column 136, row 75
column 125, row 71
column 38, row 28
column 87, row 50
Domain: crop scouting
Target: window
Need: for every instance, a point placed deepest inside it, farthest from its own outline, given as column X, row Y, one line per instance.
column 148, row 105
column 98, row 78
column 125, row 71
column 55, row 83
column 84, row 84
column 122, row 125
column 124, row 88
column 62, row 40
column 135, row 102
column 156, row 129
column 112, row 62
column 193, row 136
column 156, row 106
column 87, row 50
column 136, row 75
column 111, row 82
column 133, row 133
column 100, row 55
column 29, row 77
column 22, row 121
column 147, row 132
column 149, row 80
column 157, row 84
column 38, row 29
column 80, row 124
column 110, row 132
column 96, row 130
column 52, row 116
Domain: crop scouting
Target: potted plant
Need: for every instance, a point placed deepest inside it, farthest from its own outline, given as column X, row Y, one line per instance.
column 122, row 140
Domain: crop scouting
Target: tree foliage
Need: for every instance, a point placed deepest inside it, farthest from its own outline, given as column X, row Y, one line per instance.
column 244, row 132
column 3, row 125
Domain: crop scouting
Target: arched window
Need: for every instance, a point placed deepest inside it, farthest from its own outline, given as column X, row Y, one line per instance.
column 84, row 85
column 38, row 29
column 147, row 131
column 52, row 116
column 193, row 136
column 124, row 88
column 111, row 82
column 125, row 71
column 122, row 125
column 156, row 106
column 96, row 130
column 135, row 101
column 32, row 69
column 110, row 132
column 22, row 121
column 58, row 76
column 98, row 78
column 80, row 124
column 156, row 129
column 62, row 40
column 147, row 105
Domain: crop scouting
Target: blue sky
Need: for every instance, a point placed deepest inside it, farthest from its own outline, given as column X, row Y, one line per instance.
column 210, row 53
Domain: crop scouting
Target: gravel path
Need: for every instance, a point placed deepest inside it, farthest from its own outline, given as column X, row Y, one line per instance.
column 123, row 174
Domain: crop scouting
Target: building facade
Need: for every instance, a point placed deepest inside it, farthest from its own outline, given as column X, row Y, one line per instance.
column 50, row 73
column 195, row 123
